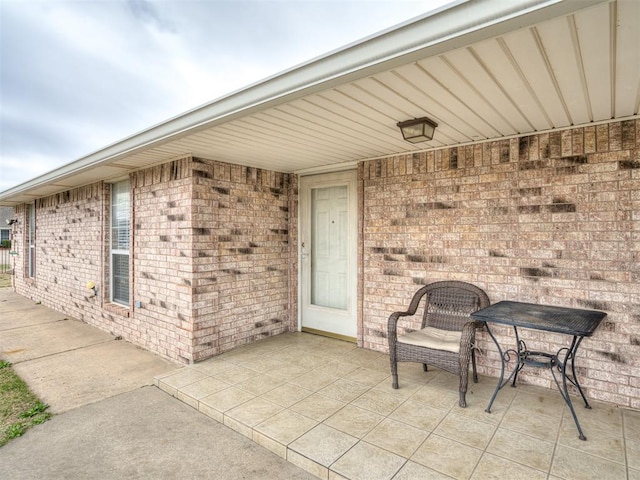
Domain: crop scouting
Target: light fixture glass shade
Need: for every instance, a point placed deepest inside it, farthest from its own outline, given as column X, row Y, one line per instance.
column 418, row 130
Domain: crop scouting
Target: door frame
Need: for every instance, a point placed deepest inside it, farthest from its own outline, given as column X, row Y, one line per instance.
column 331, row 178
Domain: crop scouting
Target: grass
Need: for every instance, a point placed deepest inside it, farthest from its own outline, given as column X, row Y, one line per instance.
column 19, row 408
column 5, row 280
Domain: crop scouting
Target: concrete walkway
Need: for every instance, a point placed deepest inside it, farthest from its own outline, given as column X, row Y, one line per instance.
column 68, row 363
column 111, row 422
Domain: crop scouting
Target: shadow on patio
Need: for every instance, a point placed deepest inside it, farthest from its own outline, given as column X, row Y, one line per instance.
column 329, row 408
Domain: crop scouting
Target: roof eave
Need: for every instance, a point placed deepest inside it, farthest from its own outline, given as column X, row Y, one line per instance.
column 448, row 28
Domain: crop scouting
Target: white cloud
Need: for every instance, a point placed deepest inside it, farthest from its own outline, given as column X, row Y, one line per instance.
column 78, row 75
column 15, row 170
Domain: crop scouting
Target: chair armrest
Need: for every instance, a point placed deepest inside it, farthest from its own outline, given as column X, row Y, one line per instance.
column 392, row 323
column 413, row 307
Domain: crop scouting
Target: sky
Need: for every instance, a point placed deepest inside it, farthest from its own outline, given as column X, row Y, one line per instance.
column 78, row 75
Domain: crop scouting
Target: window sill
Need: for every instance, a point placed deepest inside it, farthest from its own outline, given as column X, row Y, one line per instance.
column 117, row 309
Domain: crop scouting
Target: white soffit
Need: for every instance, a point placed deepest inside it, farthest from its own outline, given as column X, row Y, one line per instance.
column 522, row 67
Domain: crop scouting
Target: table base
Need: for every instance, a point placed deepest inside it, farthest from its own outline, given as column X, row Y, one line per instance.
column 563, row 361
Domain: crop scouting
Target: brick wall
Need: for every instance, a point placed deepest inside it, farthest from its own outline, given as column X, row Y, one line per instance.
column 211, row 259
column 212, row 251
column 243, row 255
column 551, row 218
column 69, row 253
column 162, row 256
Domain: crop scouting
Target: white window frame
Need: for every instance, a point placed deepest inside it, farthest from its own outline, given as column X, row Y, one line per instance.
column 119, row 210
column 32, row 241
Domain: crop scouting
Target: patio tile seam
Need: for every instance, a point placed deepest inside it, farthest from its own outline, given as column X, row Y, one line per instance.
column 391, row 451
column 435, row 467
column 556, row 454
column 319, row 465
column 486, row 452
column 331, row 469
column 166, row 388
column 198, row 401
column 251, row 432
column 292, row 454
column 285, row 445
column 223, row 414
column 262, row 372
column 556, row 464
column 161, row 380
column 167, row 374
column 584, row 452
column 625, row 446
column 369, row 388
column 500, row 425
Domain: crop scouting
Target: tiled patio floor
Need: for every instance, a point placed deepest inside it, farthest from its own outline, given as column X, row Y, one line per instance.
column 329, row 408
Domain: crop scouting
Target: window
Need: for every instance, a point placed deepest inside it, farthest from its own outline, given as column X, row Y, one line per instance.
column 32, row 241
column 120, row 235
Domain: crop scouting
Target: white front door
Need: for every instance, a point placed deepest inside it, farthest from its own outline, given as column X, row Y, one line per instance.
column 328, row 247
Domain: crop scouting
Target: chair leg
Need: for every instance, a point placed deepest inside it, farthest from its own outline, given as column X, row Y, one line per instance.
column 394, row 373
column 473, row 364
column 464, row 380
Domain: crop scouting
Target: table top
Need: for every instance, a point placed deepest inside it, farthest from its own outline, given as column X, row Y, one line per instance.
column 571, row 321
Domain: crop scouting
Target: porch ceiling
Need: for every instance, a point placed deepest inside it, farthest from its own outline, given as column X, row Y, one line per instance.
column 548, row 65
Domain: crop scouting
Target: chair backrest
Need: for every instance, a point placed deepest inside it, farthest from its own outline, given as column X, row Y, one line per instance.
column 448, row 304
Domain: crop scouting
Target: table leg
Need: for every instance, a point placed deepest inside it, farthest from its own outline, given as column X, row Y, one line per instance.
column 564, row 389
column 522, row 357
column 504, row 358
column 574, row 350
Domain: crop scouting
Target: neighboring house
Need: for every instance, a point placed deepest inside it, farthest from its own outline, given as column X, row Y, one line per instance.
column 296, row 204
column 6, row 214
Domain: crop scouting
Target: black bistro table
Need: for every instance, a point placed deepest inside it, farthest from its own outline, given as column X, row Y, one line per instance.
column 574, row 322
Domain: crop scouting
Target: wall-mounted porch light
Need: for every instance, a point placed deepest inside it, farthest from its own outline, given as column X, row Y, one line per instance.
column 92, row 286
column 11, row 221
column 418, row 129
